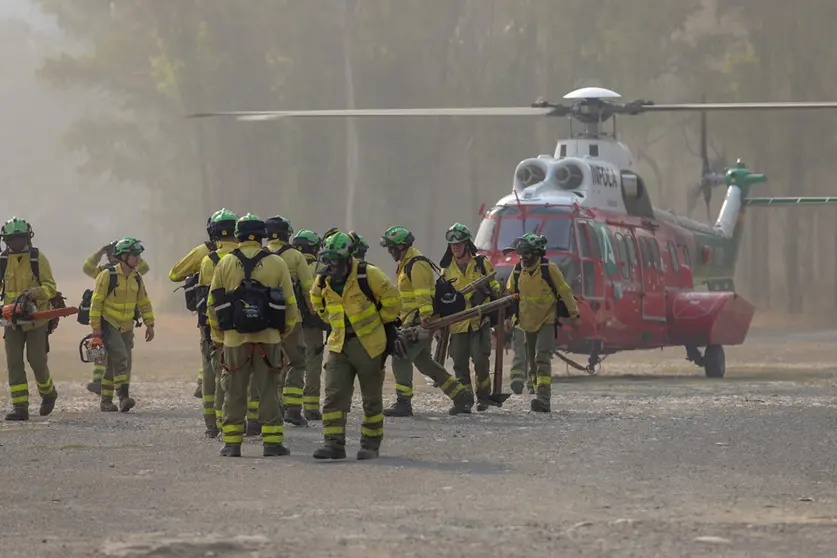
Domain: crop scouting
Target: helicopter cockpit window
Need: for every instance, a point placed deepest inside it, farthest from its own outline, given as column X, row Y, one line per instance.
column 484, row 241
column 551, row 210
column 584, row 240
column 655, row 253
column 510, row 228
column 558, row 233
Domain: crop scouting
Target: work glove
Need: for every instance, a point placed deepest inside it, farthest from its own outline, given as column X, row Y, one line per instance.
column 392, row 334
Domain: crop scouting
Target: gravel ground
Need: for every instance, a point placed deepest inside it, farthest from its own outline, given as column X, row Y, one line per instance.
column 647, row 459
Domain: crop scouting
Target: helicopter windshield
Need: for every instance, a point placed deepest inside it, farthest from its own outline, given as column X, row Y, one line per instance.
column 558, row 233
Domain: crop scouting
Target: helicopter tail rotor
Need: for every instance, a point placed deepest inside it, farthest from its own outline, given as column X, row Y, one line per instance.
column 708, row 178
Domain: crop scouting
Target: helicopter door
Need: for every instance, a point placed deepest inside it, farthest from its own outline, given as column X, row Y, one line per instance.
column 592, row 271
column 653, row 280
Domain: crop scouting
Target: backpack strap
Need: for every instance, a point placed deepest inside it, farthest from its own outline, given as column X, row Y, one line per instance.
column 210, row 245
column 363, row 283
column 283, row 249
column 249, row 264
column 214, row 257
column 480, row 262
column 4, row 263
column 113, row 280
column 35, row 263
column 518, row 267
column 548, row 278
column 408, row 267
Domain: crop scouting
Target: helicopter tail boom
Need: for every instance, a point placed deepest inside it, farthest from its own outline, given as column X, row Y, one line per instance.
column 780, row 201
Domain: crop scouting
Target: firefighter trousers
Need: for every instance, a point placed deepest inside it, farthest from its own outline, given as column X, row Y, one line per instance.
column 34, row 343
column 245, row 367
column 119, row 346
column 473, row 345
column 208, row 383
column 340, row 372
column 539, row 348
column 293, row 389
column 418, row 353
column 520, row 370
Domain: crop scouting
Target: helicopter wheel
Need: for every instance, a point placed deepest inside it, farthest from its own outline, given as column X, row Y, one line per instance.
column 714, row 361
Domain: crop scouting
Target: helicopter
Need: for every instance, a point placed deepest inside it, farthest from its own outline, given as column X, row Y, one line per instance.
column 638, row 272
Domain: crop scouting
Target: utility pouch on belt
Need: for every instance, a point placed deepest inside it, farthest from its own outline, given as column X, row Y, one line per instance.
column 190, row 286
column 277, row 307
column 202, row 295
column 83, row 315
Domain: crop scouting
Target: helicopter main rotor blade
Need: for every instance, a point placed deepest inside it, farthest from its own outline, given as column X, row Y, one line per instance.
column 340, row 113
column 738, row 106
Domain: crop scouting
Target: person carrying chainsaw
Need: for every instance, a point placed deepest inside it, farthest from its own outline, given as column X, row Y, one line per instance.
column 26, row 276
column 362, row 306
column 117, row 292
column 186, row 269
column 416, row 285
column 252, row 303
column 470, row 339
column 92, row 268
column 279, row 232
column 544, row 297
column 223, row 222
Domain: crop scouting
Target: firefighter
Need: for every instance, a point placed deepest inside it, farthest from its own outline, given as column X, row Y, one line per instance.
column 92, row 268
column 189, row 265
column 117, row 293
column 309, row 243
column 279, row 232
column 541, row 287
column 26, row 272
column 362, row 306
column 252, row 303
column 416, row 285
column 223, row 222
column 470, row 339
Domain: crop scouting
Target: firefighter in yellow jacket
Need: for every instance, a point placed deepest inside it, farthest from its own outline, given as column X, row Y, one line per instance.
column 541, row 287
column 223, row 222
column 470, row 339
column 362, row 307
column 92, row 268
column 253, row 307
column 279, row 232
column 116, row 294
column 26, row 272
column 416, row 285
column 189, row 265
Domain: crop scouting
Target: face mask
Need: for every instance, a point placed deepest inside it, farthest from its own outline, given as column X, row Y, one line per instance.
column 395, row 252
column 528, row 259
column 337, row 269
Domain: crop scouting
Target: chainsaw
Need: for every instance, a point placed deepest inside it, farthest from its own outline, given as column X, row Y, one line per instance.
column 91, row 349
column 24, row 311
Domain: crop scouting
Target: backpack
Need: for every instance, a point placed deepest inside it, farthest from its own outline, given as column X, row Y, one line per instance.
column 83, row 316
column 190, row 284
column 300, row 297
column 35, row 265
column 362, row 282
column 561, row 310
column 202, row 293
column 447, row 300
column 251, row 307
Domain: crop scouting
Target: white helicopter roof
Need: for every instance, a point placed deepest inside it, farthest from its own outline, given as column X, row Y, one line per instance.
column 592, row 93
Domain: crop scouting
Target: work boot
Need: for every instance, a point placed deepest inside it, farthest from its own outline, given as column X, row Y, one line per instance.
column 48, row 404
column 293, row 415
column 18, row 413
column 108, row 407
column 330, row 451
column 230, row 450
column 95, row 387
column 366, row 453
column 462, row 404
column 211, row 433
column 313, row 414
column 483, row 405
column 254, row 428
column 540, row 406
column 401, row 408
column 199, row 390
column 275, row 450
column 126, row 404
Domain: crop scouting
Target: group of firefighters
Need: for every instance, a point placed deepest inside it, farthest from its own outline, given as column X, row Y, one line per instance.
column 266, row 298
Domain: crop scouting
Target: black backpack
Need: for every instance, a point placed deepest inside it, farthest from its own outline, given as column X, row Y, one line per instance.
column 202, row 293
column 299, row 294
column 83, row 316
column 561, row 310
column 35, row 264
column 447, row 300
column 190, row 284
column 251, row 307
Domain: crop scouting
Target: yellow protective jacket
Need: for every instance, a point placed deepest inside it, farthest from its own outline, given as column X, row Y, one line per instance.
column 92, row 268
column 418, row 289
column 298, row 266
column 364, row 317
column 19, row 277
column 472, row 273
column 190, row 264
column 117, row 308
column 207, row 272
column 537, row 303
column 271, row 272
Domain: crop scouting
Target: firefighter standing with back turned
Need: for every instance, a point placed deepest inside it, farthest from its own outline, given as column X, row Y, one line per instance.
column 112, row 320
column 362, row 307
column 541, row 287
column 416, row 285
column 470, row 339
column 20, row 279
column 223, row 222
column 253, row 304
column 279, row 232
column 92, row 269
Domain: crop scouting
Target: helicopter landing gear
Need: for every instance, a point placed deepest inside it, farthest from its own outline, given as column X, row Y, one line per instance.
column 594, row 361
column 713, row 361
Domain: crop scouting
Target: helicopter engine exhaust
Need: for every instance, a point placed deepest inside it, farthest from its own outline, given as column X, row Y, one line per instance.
column 569, row 176
column 531, row 174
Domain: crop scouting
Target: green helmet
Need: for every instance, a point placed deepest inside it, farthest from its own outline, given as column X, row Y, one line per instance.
column 250, row 227
column 222, row 223
column 457, row 233
column 128, row 246
column 278, row 227
column 397, row 236
column 329, row 232
column 529, row 242
column 307, row 239
column 338, row 246
column 360, row 246
column 16, row 227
